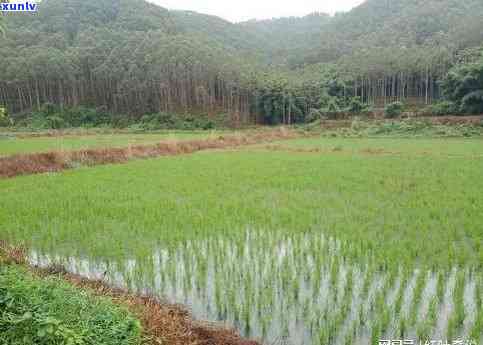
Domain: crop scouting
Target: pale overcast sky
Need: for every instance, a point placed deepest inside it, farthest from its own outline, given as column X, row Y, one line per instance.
column 237, row 11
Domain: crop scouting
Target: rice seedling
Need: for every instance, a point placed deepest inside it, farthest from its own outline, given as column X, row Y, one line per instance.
column 402, row 327
column 440, row 285
column 398, row 303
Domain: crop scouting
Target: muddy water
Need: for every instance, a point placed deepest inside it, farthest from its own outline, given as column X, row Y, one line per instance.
column 280, row 289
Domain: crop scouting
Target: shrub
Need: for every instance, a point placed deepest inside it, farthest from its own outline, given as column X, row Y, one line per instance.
column 55, row 122
column 313, row 115
column 5, row 120
column 48, row 109
column 393, row 110
column 85, row 117
column 332, row 111
column 442, row 108
column 472, row 103
column 464, row 85
column 50, row 116
column 357, row 107
column 174, row 121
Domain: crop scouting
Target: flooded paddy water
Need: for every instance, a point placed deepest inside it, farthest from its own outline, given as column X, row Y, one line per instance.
column 297, row 289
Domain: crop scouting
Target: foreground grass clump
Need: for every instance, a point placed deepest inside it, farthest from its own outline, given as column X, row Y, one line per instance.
column 48, row 311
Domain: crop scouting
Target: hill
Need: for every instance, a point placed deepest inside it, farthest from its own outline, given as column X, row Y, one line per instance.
column 375, row 23
column 130, row 57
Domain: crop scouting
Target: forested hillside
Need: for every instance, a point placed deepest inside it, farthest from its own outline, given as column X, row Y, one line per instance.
column 130, row 58
column 127, row 55
column 387, row 48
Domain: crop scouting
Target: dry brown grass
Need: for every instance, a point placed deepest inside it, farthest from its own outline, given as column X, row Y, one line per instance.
column 9, row 254
column 163, row 323
column 26, row 164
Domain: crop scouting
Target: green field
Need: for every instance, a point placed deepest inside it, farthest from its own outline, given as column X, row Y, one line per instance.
column 449, row 147
column 14, row 143
column 362, row 240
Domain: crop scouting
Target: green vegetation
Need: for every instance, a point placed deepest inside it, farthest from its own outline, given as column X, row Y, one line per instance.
column 410, row 128
column 51, row 116
column 456, row 321
column 181, row 122
column 329, row 217
column 478, row 326
column 132, row 58
column 393, row 110
column 48, row 311
column 442, row 108
column 4, row 119
column 464, row 86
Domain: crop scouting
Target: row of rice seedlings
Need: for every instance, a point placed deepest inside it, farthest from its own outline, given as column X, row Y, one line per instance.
column 440, row 285
column 362, row 312
column 351, row 333
column 398, row 302
column 477, row 329
column 417, row 295
column 328, row 331
column 381, row 312
column 318, row 269
column 425, row 327
column 348, row 296
column 334, row 279
column 458, row 315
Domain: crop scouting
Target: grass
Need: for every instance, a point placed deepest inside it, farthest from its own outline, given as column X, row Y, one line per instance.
column 259, row 218
column 442, row 148
column 15, row 143
column 49, row 311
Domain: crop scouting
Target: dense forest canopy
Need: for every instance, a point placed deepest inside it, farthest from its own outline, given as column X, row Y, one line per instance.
column 130, row 57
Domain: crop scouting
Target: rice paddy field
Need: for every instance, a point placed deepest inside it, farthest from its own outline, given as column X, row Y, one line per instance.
column 20, row 143
column 311, row 241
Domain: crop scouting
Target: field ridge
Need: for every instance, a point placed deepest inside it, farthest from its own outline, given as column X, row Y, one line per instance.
column 55, row 161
